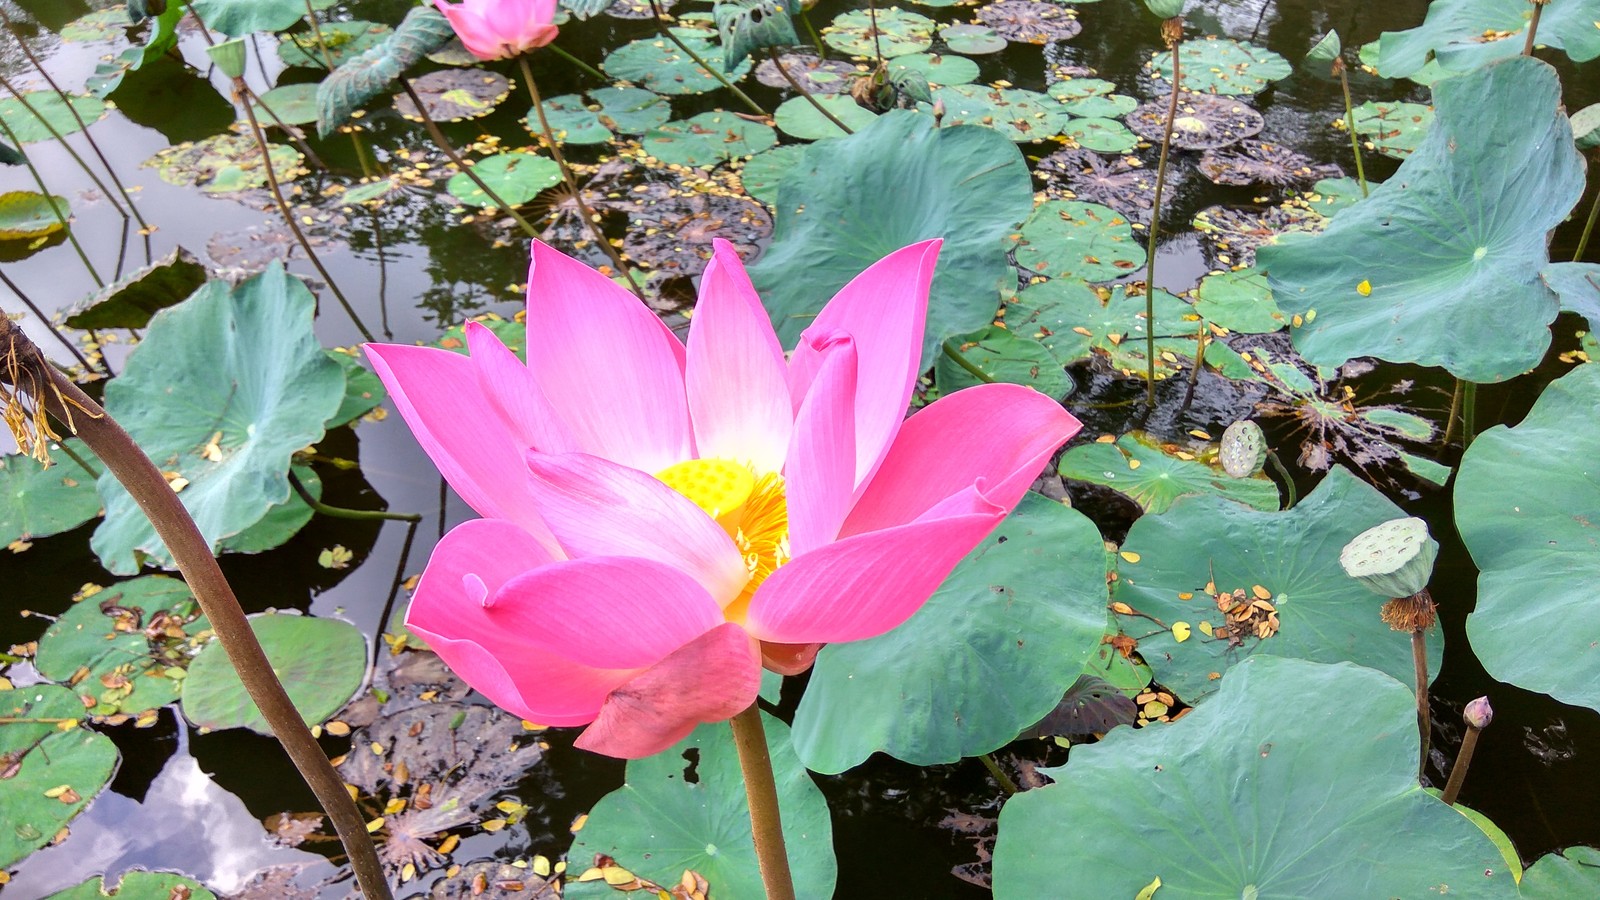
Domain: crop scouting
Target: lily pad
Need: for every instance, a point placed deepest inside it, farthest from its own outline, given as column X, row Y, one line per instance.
column 289, row 104
column 321, row 663
column 797, row 118
column 98, row 26
column 1072, row 239
column 344, row 41
column 137, row 885
column 1261, row 162
column 1155, row 479
column 1525, row 500
column 515, row 177
column 236, row 18
column 674, row 233
column 1001, row 355
column 130, row 302
column 658, row 65
column 225, row 163
column 1216, row 65
column 1239, row 300
column 1101, row 135
column 1578, row 286
column 1073, row 321
column 972, row 39
column 1292, row 556
column 853, row 200
column 52, row 768
column 222, row 390
column 987, row 656
column 281, row 522
column 1394, row 129
column 124, row 649
column 818, row 76
column 899, row 33
column 1031, row 21
column 363, row 391
column 37, row 502
column 685, row 808
column 1203, row 122
column 1574, row 872
column 708, row 139
column 454, row 95
column 1120, row 182
column 25, row 215
column 1330, row 195
column 609, row 111
column 1100, row 106
column 1466, row 34
column 45, row 110
column 1248, row 796
column 1091, row 706
column 1018, row 114
column 1452, row 242
column 940, row 69
column 762, row 173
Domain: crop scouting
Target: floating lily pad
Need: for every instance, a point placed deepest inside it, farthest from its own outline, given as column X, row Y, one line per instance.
column 1101, row 135
column 52, row 768
column 1239, row 300
column 674, row 233
column 1072, row 239
column 1155, row 479
column 939, row 69
column 1091, row 706
column 1121, row 182
column 797, row 118
column 1371, row 58
column 515, row 177
column 608, row 112
column 664, row 820
column 1261, row 162
column 137, row 885
column 1454, row 240
column 1465, row 34
column 236, row 18
column 1101, row 106
column 657, row 64
column 101, row 25
column 855, row 199
column 1203, row 122
column 1393, row 129
column 1574, row 872
column 289, row 104
column 1525, row 500
column 45, row 110
column 1330, row 195
column 125, row 649
column 1072, row 320
column 281, row 522
column 762, row 173
column 223, row 389
column 1031, row 21
column 321, row 663
column 1215, row 65
column 37, row 502
column 363, row 391
column 1001, row 355
column 708, row 139
column 1231, row 235
column 987, row 656
column 1248, row 796
column 25, row 215
column 454, row 95
column 344, row 41
column 1292, row 556
column 899, row 33
column 1018, row 114
column 223, row 164
column 972, row 39
column 818, row 76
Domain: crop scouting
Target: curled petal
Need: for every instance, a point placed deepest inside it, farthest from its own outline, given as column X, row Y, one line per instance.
column 511, row 388
column 822, row 461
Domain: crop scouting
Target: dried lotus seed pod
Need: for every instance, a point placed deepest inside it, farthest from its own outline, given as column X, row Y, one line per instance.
column 1244, row 449
column 1394, row 559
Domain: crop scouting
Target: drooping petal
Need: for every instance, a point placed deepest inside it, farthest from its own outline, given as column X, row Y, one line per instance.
column 437, row 393
column 610, row 367
column 606, row 612
column 736, row 377
column 1003, row 433
column 885, row 309
column 472, row 562
column 710, row 679
column 600, row 508
column 820, row 475
column 862, row 586
column 514, row 392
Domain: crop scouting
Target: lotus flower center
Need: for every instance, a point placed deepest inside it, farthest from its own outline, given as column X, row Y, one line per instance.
column 752, row 508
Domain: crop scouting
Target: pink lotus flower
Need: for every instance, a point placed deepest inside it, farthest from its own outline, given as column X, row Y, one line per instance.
column 500, row 29
column 660, row 519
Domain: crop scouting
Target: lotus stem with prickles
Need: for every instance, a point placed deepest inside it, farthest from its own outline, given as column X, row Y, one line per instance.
column 1477, row 715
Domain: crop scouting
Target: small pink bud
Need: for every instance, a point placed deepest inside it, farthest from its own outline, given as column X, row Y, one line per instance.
column 1479, row 713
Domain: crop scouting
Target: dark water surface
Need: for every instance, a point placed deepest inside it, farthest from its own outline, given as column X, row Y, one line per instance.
column 1533, row 774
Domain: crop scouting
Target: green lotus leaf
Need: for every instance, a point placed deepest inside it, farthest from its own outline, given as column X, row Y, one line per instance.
column 32, row 115
column 1293, row 556
column 224, row 163
column 456, row 95
column 1155, row 479
column 1069, row 239
column 685, row 808
column 162, row 37
column 1578, row 286
column 1213, row 65
column 37, row 502
column 797, row 118
column 708, row 139
column 988, row 655
column 1466, row 34
column 368, row 74
column 281, row 522
column 289, row 104
column 1371, row 56
column 574, row 122
column 1330, row 195
column 1452, row 243
column 236, row 18
column 1239, row 300
column 853, row 200
column 516, row 177
column 1101, row 135
column 972, row 39
column 363, row 391
column 761, row 174
column 746, row 26
column 1020, row 115
column 125, row 649
column 1250, row 797
column 321, row 663
column 223, row 389
column 658, row 65
column 1101, row 106
column 1394, row 129
column 137, row 885
column 899, row 33
column 11, row 156
column 941, row 69
column 104, row 25
column 1000, row 355
column 48, row 757
column 1574, row 872
column 25, row 215
column 1586, row 127
column 1526, row 499
column 130, row 302
column 344, row 41
column 1070, row 318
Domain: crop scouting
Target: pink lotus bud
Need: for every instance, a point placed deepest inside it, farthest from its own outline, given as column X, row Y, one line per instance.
column 500, row 29
column 1479, row 713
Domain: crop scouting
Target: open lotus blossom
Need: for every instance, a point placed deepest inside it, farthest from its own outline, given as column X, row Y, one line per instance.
column 500, row 29
column 660, row 518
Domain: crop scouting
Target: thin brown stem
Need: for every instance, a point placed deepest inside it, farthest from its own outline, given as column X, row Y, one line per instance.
column 1350, row 125
column 777, row 61
column 1171, row 30
column 1455, row 410
column 1458, row 772
column 192, row 554
column 462, row 165
column 877, row 46
column 713, row 71
column 1419, row 659
column 1588, row 228
column 290, row 130
column 589, row 218
column 761, row 792
column 577, row 62
column 1533, row 26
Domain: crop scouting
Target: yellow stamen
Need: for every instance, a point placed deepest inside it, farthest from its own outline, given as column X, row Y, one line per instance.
column 752, row 508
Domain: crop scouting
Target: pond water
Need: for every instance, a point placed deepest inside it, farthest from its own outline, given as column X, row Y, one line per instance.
column 414, row 267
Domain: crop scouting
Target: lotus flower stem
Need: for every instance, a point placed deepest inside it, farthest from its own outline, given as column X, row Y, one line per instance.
column 43, row 317
column 954, row 352
column 1201, row 340
column 394, row 590
column 777, row 61
column 1171, row 32
column 1533, row 26
column 1000, row 776
column 589, row 218
column 61, row 217
column 316, row 30
column 1588, row 229
column 714, row 71
column 577, row 62
column 1290, row 496
column 816, row 38
column 761, row 791
column 82, row 463
column 1419, row 659
column 1450, row 417
column 1350, row 124
column 462, row 165
column 340, row 512
column 877, row 46
column 26, row 370
column 1469, row 413
column 1477, row 715
column 242, row 94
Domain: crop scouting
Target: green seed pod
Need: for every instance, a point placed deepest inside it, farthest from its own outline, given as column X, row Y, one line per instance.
column 1394, row 559
column 1326, row 50
column 1165, row 9
column 1586, row 127
column 229, row 57
column 1244, row 449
